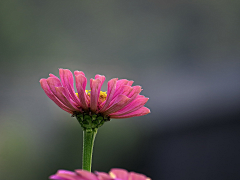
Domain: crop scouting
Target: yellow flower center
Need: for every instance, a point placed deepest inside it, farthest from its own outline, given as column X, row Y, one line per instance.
column 102, row 96
column 88, row 92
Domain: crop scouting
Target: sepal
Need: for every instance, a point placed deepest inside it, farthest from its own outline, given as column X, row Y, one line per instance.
column 91, row 121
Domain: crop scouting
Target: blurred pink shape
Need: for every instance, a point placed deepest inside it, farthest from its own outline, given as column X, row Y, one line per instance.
column 114, row 174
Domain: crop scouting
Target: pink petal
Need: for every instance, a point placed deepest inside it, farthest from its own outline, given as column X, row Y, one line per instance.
column 126, row 90
column 119, row 102
column 140, row 112
column 110, row 93
column 49, row 93
column 136, row 176
column 119, row 86
column 57, row 177
column 86, row 175
column 120, row 173
column 76, row 73
column 53, row 82
column 101, row 77
column 122, row 82
column 132, row 94
column 52, row 75
column 81, row 83
column 63, row 73
column 130, row 83
column 103, row 176
column 63, row 96
column 135, row 92
column 67, row 81
column 140, row 96
column 65, row 175
column 131, row 107
column 95, row 86
column 65, row 172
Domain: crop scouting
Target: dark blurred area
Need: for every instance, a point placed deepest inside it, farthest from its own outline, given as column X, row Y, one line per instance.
column 184, row 54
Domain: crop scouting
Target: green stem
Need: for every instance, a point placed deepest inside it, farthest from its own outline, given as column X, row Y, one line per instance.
column 88, row 142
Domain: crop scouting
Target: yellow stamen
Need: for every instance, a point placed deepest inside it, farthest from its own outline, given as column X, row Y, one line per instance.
column 102, row 96
column 88, row 92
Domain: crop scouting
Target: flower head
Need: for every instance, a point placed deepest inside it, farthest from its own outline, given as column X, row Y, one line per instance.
column 122, row 100
column 114, row 174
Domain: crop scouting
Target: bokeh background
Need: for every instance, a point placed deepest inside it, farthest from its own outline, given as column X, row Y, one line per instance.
column 185, row 55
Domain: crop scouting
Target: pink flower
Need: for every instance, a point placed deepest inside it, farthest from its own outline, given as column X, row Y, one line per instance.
column 122, row 100
column 114, row 174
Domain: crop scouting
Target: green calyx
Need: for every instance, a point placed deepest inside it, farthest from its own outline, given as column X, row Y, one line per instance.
column 91, row 122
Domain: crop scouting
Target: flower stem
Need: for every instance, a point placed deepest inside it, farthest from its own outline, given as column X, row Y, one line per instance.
column 88, row 142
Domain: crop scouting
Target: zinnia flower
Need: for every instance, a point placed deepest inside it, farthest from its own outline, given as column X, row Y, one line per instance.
column 122, row 100
column 114, row 174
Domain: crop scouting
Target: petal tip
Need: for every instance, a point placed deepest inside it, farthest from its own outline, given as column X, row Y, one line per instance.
column 42, row 79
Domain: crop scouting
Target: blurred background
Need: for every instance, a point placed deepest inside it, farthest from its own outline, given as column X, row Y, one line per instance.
column 185, row 55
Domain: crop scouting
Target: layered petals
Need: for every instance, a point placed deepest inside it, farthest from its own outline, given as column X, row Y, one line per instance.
column 111, row 89
column 140, row 112
column 81, row 83
column 122, row 174
column 121, row 100
column 114, row 174
column 49, row 93
column 95, row 86
column 60, row 92
column 131, row 107
column 119, row 173
column 67, row 81
column 64, row 175
column 77, row 175
column 86, row 175
column 63, row 96
column 136, row 176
